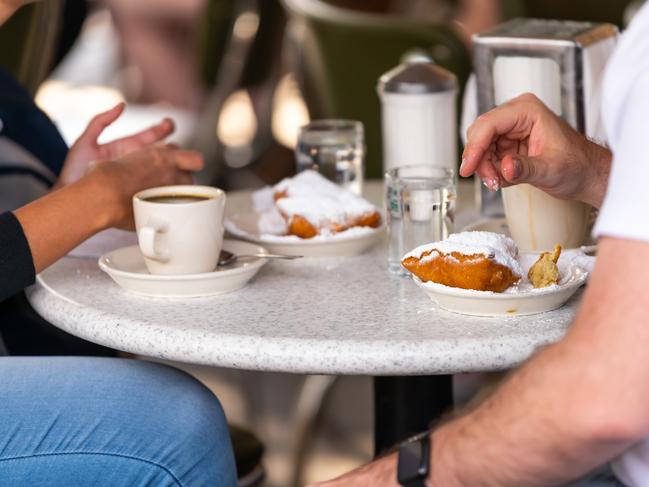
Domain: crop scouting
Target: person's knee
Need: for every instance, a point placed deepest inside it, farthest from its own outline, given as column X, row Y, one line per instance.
column 177, row 399
column 130, row 408
column 193, row 421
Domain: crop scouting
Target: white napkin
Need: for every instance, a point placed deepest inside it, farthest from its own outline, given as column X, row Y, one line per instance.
column 103, row 243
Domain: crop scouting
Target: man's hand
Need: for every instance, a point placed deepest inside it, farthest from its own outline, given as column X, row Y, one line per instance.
column 86, row 149
column 380, row 473
column 523, row 141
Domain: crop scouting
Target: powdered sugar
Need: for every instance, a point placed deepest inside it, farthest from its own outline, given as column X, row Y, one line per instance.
column 351, row 233
column 500, row 248
column 271, row 222
column 321, row 211
column 320, row 201
column 309, row 195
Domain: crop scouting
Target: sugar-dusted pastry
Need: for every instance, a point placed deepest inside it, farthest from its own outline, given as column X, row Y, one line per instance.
column 313, row 205
column 545, row 272
column 482, row 261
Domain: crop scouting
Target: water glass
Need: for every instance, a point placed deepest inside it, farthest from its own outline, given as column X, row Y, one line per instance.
column 420, row 208
column 336, row 149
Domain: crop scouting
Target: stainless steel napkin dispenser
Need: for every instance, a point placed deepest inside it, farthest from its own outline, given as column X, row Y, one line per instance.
column 561, row 62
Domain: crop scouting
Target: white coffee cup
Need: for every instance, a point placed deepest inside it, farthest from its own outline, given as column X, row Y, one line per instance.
column 538, row 222
column 180, row 228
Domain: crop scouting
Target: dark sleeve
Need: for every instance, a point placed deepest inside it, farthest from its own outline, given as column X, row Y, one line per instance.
column 16, row 263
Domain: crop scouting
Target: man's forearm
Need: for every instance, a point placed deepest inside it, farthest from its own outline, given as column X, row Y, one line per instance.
column 575, row 405
column 600, row 159
column 525, row 434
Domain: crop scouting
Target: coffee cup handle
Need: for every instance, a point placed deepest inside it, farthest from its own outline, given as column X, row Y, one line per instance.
column 147, row 238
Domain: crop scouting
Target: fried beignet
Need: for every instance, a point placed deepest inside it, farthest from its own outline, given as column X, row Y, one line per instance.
column 481, row 261
column 545, row 272
column 313, row 205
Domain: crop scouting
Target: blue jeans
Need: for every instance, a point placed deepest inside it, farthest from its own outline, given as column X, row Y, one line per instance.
column 67, row 421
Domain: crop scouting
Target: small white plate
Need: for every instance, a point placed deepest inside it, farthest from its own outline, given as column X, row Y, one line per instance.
column 354, row 241
column 521, row 300
column 126, row 267
column 499, row 225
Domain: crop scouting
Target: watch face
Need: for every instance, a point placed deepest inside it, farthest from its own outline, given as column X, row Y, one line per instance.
column 412, row 458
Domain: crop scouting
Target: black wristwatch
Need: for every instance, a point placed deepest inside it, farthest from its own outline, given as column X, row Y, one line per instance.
column 414, row 461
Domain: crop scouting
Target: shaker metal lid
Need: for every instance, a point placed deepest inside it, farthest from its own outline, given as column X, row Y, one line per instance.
column 548, row 31
column 417, row 75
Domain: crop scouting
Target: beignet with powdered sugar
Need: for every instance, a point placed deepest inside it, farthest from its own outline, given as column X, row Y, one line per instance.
column 313, row 205
column 482, row 261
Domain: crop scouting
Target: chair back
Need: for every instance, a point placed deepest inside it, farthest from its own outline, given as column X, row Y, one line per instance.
column 342, row 53
column 33, row 34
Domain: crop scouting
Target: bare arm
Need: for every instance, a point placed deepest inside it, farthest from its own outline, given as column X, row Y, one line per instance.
column 575, row 405
column 61, row 220
column 572, row 407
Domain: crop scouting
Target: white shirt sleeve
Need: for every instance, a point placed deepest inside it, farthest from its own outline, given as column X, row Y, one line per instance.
column 625, row 212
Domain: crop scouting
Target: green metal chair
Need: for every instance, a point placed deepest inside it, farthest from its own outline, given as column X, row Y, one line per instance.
column 32, row 36
column 342, row 53
column 230, row 60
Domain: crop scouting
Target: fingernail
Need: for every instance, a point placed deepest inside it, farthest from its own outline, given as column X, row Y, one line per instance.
column 491, row 184
column 462, row 163
column 517, row 169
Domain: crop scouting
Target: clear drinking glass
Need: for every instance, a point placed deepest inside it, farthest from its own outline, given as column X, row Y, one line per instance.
column 336, row 149
column 420, row 208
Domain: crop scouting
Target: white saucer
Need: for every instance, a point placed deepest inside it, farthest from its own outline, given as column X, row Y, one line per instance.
column 344, row 244
column 499, row 225
column 126, row 267
column 515, row 301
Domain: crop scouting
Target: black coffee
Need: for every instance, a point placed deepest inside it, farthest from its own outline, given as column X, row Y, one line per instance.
column 176, row 198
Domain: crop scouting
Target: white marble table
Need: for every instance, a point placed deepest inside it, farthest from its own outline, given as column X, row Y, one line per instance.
column 321, row 316
column 333, row 316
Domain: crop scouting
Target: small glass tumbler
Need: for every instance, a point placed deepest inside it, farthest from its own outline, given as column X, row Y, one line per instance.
column 336, row 149
column 420, row 208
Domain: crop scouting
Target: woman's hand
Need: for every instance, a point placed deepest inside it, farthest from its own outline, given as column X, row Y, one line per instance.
column 62, row 219
column 87, row 149
column 146, row 168
column 522, row 141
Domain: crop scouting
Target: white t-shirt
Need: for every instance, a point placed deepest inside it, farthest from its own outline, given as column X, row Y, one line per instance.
column 626, row 117
column 624, row 213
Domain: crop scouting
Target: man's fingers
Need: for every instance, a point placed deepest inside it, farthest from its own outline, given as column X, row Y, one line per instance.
column 512, row 119
column 103, row 120
column 522, row 169
column 489, row 175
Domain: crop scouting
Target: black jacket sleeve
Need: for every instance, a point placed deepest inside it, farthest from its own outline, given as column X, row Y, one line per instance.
column 16, row 263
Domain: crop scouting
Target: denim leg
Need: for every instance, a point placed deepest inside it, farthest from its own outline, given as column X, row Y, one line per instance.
column 603, row 477
column 98, row 421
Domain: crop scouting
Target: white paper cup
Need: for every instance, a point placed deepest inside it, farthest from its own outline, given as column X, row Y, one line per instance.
column 538, row 222
column 180, row 236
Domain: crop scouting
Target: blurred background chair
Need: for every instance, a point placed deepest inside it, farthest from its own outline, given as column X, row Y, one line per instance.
column 240, row 62
column 33, row 34
column 584, row 10
column 340, row 54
